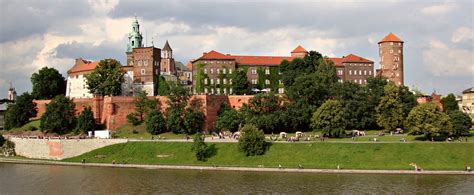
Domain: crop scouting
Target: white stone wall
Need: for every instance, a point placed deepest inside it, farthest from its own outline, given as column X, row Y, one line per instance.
column 59, row 149
column 76, row 87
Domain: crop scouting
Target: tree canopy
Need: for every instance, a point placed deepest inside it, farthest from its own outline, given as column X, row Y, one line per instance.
column 240, row 84
column 449, row 103
column 390, row 108
column 59, row 116
column 47, row 83
column 252, row 141
column 106, row 79
column 20, row 112
column 461, row 122
column 155, row 122
column 428, row 120
column 86, row 121
column 329, row 119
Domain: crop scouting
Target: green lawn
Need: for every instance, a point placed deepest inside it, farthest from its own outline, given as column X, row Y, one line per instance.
column 393, row 156
column 32, row 123
column 127, row 131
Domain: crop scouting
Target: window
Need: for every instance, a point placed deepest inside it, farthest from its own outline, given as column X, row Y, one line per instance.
column 399, row 51
column 370, row 72
column 267, row 71
column 398, row 75
column 145, row 62
column 254, row 81
column 224, row 91
column 396, row 65
column 280, row 82
column 365, row 72
column 212, row 81
column 279, row 73
column 400, row 44
column 212, row 90
column 230, row 81
column 339, row 80
column 142, row 71
column 230, row 71
column 350, row 72
column 205, row 71
column 339, row 72
column 360, row 72
column 218, row 81
column 381, row 59
column 205, row 90
column 360, row 81
column 157, row 72
column 224, row 81
column 205, row 81
column 223, row 71
column 218, row 71
column 254, row 71
column 139, row 62
column 218, row 90
column 355, row 80
column 230, row 91
column 355, row 72
column 281, row 90
column 267, row 81
column 391, row 43
column 212, row 70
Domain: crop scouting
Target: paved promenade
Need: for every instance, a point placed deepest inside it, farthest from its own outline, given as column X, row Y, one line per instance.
column 219, row 168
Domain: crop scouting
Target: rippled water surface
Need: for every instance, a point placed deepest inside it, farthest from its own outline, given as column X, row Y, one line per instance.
column 53, row 179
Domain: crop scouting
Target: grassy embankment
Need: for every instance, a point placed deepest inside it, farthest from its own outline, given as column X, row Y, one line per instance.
column 387, row 156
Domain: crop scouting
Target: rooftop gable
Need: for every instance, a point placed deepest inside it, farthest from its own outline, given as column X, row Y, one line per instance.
column 391, row 38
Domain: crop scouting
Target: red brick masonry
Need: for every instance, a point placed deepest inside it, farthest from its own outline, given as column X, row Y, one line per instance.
column 113, row 111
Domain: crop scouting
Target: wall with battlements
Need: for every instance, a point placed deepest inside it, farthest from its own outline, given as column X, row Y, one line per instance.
column 113, row 111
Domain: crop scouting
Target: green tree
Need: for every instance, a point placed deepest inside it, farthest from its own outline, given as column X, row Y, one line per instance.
column 229, row 119
column 143, row 105
column 163, row 87
column 461, row 122
column 193, row 121
column 390, row 108
column 240, row 84
column 20, row 112
column 252, row 142
column 449, row 103
column 428, row 120
column 133, row 119
column 155, row 122
column 86, row 121
column 264, row 111
column 59, row 116
column 408, row 100
column 329, row 118
column 358, row 112
column 47, row 83
column 106, row 79
column 298, row 67
column 297, row 116
column 200, row 147
column 177, row 102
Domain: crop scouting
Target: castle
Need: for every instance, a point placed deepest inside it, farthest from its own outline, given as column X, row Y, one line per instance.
column 212, row 72
column 144, row 66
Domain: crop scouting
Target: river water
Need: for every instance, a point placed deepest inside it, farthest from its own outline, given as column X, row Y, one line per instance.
column 55, row 179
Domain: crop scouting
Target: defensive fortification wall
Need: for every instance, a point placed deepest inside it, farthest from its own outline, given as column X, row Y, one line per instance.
column 58, row 149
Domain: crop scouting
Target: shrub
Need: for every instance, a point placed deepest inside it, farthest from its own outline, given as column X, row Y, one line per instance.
column 427, row 119
column 86, row 121
column 31, row 128
column 252, row 142
column 133, row 119
column 155, row 122
column 200, row 147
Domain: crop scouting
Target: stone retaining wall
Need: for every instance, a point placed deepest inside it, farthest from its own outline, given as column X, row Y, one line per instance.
column 58, row 149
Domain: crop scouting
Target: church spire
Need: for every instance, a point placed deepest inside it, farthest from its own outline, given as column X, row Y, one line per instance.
column 134, row 37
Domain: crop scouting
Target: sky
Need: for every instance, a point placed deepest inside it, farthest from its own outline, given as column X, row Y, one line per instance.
column 438, row 35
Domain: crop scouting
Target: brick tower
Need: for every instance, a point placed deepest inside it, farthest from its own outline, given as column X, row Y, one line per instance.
column 391, row 59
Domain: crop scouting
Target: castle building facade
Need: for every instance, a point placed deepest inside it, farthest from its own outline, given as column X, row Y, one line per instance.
column 391, row 59
column 213, row 71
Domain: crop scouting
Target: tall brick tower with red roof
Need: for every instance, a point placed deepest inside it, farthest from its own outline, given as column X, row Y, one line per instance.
column 391, row 59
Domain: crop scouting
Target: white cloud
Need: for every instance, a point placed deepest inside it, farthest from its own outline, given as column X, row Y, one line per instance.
column 438, row 9
column 442, row 60
column 462, row 33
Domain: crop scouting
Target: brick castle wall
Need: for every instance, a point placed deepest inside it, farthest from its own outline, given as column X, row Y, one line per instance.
column 113, row 111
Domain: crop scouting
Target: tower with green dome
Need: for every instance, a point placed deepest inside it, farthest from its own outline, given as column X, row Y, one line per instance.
column 134, row 37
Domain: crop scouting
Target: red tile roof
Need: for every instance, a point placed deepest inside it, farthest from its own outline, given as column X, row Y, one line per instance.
column 391, row 38
column 338, row 62
column 245, row 60
column 83, row 66
column 299, row 49
column 261, row 60
column 190, row 65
